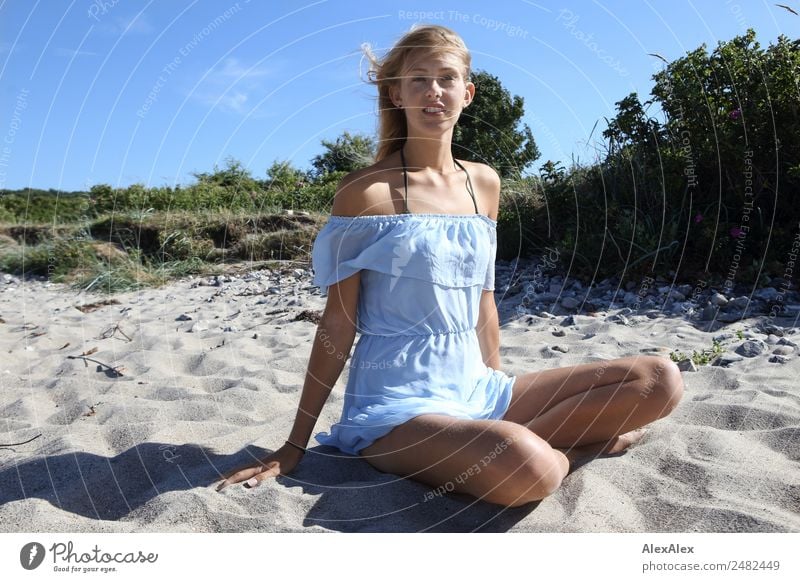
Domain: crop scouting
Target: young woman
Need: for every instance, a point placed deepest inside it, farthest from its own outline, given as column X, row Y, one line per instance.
column 407, row 258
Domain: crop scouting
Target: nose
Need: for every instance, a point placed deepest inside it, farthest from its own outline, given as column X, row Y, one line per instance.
column 433, row 89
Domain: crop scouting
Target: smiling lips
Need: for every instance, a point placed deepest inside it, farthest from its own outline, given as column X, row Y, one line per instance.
column 434, row 110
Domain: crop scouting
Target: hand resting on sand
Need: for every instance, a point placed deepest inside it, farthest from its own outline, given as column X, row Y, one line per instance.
column 281, row 462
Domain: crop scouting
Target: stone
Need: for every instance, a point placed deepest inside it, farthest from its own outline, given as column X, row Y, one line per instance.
column 778, row 359
column 183, row 317
column 568, row 321
column 709, row 313
column 751, row 348
column 766, row 294
column 618, row 318
column 687, row 365
column 726, row 360
column 770, row 328
column 718, row 299
column 560, row 348
column 676, row 295
column 786, row 342
column 200, row 325
column 783, row 350
column 559, row 333
column 739, row 303
column 569, row 303
column 730, row 317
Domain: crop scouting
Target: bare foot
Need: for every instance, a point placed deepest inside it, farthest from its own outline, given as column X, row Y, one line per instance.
column 618, row 444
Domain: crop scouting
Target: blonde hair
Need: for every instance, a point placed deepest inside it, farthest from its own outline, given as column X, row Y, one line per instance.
column 387, row 72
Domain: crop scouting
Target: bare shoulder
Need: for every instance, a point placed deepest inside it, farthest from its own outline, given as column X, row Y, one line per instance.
column 361, row 191
column 487, row 187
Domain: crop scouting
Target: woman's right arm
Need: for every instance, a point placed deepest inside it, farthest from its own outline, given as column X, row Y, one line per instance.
column 330, row 349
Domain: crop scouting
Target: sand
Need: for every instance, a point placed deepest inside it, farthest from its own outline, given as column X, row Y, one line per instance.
column 196, row 378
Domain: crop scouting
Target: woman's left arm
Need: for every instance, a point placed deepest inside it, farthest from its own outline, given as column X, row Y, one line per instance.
column 488, row 330
column 488, row 327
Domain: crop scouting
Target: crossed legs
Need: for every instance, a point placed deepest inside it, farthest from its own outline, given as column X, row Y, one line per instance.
column 554, row 416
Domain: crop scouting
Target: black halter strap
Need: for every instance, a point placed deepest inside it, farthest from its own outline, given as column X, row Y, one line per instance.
column 405, row 184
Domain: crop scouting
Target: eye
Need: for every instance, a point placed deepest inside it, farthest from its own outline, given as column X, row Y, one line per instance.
column 418, row 79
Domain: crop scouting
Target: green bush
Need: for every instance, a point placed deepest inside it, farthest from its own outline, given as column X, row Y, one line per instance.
column 706, row 190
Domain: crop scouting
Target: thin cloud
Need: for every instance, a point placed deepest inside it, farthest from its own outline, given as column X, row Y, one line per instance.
column 128, row 26
column 230, row 87
column 67, row 52
column 232, row 102
column 232, row 69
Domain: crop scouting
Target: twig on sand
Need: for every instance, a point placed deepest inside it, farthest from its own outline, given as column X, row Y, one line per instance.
column 112, row 330
column 22, row 443
column 114, row 372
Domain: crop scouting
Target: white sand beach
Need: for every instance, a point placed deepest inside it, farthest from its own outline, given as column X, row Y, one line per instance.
column 178, row 384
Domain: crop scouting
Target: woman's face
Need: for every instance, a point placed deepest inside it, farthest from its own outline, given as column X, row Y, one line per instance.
column 432, row 91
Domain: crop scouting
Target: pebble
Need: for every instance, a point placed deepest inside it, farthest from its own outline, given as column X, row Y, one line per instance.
column 569, row 303
column 568, row 321
column 560, row 348
column 559, row 332
column 730, row 317
column 739, row 303
column 726, row 360
column 778, row 359
column 687, row 365
column 618, row 318
column 751, row 348
column 786, row 342
column 183, row 317
column 771, row 329
column 656, row 350
column 783, row 350
column 718, row 299
column 709, row 313
column 766, row 294
column 200, row 325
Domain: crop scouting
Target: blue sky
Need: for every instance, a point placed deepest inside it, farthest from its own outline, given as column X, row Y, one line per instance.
column 119, row 92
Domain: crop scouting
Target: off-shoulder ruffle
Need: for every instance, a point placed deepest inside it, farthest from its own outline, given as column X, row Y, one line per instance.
column 446, row 249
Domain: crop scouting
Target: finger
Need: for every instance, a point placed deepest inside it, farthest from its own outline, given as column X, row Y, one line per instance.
column 242, row 475
column 270, row 472
column 239, row 469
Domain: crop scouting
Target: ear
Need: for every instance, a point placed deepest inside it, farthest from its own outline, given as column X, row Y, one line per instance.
column 469, row 94
column 394, row 95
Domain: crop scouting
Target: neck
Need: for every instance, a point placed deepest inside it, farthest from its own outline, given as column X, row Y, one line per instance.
column 429, row 154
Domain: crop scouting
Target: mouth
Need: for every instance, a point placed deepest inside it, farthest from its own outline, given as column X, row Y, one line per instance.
column 434, row 111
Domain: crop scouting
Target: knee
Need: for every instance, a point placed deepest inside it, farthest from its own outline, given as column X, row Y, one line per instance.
column 663, row 387
column 530, row 470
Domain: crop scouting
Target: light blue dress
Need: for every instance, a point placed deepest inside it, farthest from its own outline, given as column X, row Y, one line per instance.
column 418, row 352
